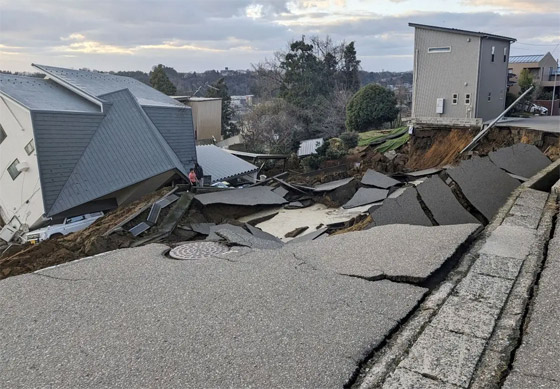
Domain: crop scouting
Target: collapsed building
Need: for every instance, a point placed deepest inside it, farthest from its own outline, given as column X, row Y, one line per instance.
column 80, row 141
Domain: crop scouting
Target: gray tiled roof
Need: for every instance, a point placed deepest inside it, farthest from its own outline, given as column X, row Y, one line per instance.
column 125, row 150
column 525, row 58
column 45, row 95
column 220, row 164
column 97, row 84
column 85, row 154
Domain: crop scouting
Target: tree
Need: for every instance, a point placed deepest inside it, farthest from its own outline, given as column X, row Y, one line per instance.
column 370, row 107
column 272, row 126
column 160, row 81
column 525, row 80
column 302, row 81
column 220, row 89
column 351, row 68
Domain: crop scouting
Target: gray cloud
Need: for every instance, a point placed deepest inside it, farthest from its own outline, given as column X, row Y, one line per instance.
column 211, row 34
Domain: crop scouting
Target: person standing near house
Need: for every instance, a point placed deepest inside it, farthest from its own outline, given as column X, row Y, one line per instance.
column 192, row 178
column 199, row 173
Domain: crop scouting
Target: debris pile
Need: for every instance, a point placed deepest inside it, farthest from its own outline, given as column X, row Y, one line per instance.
column 280, row 209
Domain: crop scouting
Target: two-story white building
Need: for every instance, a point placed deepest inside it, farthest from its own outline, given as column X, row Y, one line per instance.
column 458, row 74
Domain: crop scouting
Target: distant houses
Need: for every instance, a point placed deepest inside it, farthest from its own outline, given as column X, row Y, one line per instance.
column 460, row 77
column 544, row 71
column 80, row 141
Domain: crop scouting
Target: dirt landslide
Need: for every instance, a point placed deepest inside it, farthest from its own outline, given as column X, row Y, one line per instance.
column 77, row 245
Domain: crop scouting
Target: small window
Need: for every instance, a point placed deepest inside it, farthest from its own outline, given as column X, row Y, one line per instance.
column 13, row 170
column 505, row 54
column 501, row 94
column 454, row 98
column 75, row 219
column 489, row 96
column 493, row 52
column 2, row 135
column 30, row 147
column 467, row 99
column 446, row 49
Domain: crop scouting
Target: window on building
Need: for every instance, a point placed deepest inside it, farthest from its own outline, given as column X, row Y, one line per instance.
column 30, row 147
column 454, row 98
column 467, row 99
column 489, row 96
column 501, row 94
column 493, row 52
column 12, row 169
column 505, row 54
column 2, row 135
column 445, row 49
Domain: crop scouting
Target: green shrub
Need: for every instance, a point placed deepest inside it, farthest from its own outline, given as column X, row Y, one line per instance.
column 370, row 107
column 350, row 139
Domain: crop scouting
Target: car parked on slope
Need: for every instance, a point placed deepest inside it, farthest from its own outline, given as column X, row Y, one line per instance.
column 70, row 224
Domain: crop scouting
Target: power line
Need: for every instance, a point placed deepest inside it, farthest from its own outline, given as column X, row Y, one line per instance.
column 535, row 44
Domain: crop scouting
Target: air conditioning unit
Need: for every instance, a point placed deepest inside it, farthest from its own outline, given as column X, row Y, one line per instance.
column 439, row 105
column 7, row 233
column 22, row 166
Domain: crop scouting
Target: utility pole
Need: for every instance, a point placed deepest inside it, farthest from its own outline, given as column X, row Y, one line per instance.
column 554, row 89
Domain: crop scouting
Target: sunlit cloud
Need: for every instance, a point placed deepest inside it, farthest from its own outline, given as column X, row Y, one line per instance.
column 316, row 4
column 73, row 37
column 516, row 5
column 254, row 11
column 10, row 50
column 93, row 47
column 172, row 45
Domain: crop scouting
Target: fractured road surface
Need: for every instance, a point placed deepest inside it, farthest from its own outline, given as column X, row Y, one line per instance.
column 263, row 318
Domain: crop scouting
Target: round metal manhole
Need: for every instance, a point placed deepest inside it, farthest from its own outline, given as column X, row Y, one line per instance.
column 198, row 250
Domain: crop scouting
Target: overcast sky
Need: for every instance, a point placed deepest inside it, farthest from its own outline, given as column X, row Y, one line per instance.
column 197, row 35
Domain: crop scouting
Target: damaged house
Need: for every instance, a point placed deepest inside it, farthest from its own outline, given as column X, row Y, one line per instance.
column 460, row 77
column 80, row 141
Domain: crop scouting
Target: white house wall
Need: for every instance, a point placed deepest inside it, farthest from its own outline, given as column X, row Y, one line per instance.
column 20, row 198
column 440, row 75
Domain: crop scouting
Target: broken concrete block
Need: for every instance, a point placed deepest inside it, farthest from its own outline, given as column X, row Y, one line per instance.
column 484, row 185
column 366, row 196
column 373, row 178
column 296, row 232
column 520, row 159
column 398, row 251
column 405, row 209
column 247, row 196
column 441, row 202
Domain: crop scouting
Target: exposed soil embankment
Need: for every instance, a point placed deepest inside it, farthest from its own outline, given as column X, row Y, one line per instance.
column 90, row 241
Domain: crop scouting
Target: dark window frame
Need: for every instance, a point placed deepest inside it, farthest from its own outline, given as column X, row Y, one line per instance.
column 13, row 170
column 29, row 152
column 3, row 134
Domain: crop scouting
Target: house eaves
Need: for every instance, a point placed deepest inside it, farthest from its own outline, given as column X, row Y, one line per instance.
column 71, row 87
column 462, row 32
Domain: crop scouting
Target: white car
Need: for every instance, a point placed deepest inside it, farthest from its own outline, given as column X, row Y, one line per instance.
column 539, row 109
column 71, row 224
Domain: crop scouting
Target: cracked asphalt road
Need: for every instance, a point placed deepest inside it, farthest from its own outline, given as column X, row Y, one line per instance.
column 250, row 318
column 134, row 318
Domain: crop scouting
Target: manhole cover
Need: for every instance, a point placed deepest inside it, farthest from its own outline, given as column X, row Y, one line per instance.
column 198, row 250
